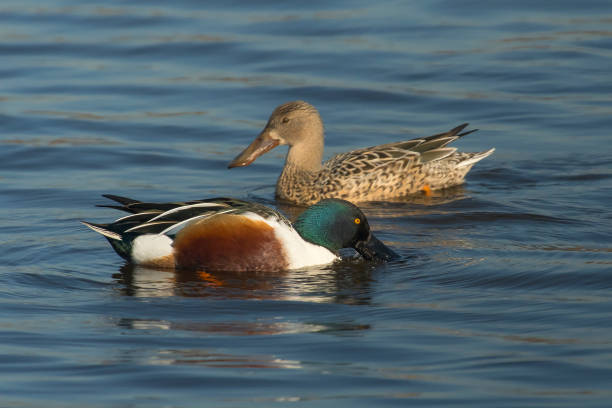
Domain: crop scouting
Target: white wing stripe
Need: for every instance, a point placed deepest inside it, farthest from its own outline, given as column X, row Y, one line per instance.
column 146, row 224
column 179, row 225
column 127, row 217
column 184, row 207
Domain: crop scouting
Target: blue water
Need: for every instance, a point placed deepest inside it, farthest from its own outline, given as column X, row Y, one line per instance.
column 502, row 293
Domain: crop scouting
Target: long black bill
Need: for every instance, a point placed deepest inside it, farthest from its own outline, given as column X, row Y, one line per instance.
column 374, row 249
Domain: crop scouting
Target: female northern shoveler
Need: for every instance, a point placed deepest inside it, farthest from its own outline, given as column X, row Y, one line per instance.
column 229, row 234
column 374, row 173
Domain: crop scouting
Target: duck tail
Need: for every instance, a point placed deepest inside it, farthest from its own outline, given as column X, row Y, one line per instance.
column 475, row 158
column 102, row 229
column 121, row 247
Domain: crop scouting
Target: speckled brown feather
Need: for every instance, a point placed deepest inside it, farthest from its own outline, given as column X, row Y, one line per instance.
column 380, row 172
column 366, row 182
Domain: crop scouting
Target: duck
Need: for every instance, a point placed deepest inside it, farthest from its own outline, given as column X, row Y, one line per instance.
column 376, row 173
column 228, row 234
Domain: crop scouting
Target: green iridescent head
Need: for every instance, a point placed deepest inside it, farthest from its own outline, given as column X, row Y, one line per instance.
column 333, row 223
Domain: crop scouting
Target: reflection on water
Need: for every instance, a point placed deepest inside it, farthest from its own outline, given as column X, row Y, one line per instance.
column 345, row 281
column 241, row 327
column 218, row 360
column 201, row 357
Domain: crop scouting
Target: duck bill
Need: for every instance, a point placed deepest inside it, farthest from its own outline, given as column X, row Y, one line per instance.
column 262, row 144
column 374, row 249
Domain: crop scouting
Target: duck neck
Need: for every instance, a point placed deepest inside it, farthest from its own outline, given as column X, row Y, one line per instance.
column 306, row 153
column 306, row 158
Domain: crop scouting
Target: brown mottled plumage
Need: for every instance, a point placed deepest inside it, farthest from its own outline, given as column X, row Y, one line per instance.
column 374, row 173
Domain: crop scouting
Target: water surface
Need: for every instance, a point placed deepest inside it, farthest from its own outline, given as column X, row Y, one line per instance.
column 501, row 295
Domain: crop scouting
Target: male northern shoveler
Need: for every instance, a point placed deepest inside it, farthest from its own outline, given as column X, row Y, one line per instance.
column 229, row 234
column 374, row 173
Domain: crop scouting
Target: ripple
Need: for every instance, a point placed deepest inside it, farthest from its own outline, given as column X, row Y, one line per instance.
column 501, row 294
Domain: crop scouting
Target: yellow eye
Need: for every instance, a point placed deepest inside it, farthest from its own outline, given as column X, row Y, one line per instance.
column 357, row 221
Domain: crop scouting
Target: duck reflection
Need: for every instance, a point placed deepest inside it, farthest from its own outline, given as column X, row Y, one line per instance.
column 204, row 357
column 241, row 327
column 346, row 281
